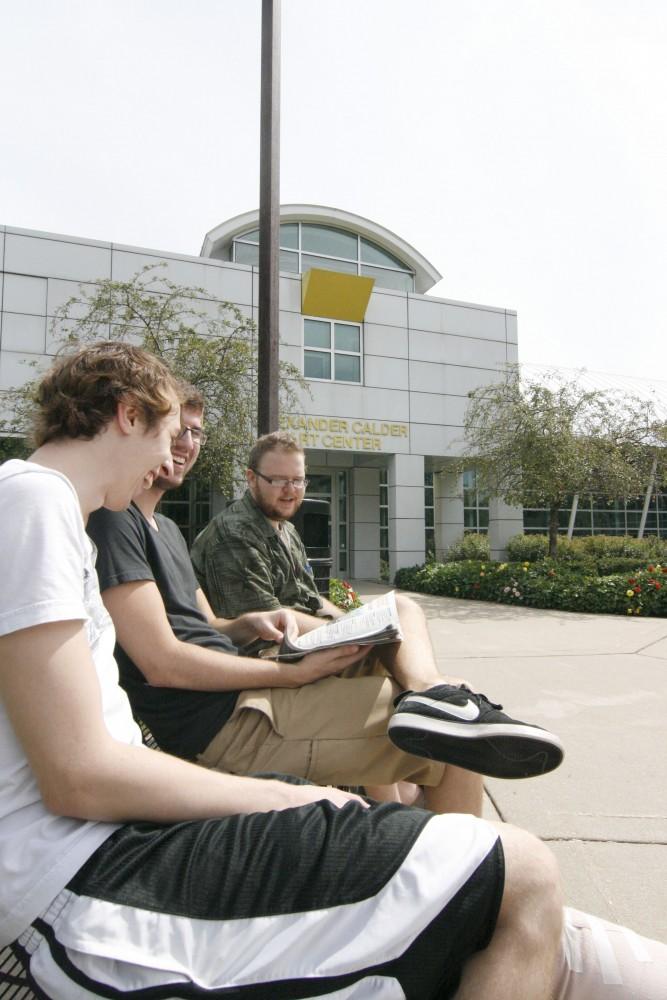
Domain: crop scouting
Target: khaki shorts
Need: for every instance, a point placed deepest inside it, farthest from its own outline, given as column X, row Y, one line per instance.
column 332, row 732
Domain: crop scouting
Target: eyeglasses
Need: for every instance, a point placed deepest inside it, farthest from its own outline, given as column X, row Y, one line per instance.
column 196, row 433
column 279, row 482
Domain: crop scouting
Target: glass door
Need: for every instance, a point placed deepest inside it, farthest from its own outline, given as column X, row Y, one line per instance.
column 332, row 487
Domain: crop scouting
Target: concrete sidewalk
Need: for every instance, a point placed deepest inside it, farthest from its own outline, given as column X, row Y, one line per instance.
column 600, row 683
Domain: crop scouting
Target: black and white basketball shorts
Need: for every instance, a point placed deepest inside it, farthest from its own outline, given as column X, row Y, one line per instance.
column 315, row 901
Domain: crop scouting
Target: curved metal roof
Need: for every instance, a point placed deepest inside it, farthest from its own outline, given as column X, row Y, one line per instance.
column 218, row 239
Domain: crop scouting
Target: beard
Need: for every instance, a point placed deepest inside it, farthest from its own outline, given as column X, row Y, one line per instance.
column 275, row 510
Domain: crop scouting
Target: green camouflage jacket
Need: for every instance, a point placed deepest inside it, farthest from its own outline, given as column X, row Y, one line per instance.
column 242, row 565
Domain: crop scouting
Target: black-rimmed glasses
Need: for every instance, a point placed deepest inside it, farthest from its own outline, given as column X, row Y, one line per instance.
column 196, row 433
column 280, row 482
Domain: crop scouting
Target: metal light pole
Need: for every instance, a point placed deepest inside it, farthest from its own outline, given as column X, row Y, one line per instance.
column 269, row 220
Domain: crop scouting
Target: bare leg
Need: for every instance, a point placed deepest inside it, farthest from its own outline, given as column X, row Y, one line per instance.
column 385, row 793
column 410, row 794
column 412, row 662
column 519, row 962
column 405, row 792
column 459, row 792
column 412, row 665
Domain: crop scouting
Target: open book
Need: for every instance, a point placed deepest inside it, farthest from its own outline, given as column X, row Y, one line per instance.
column 370, row 625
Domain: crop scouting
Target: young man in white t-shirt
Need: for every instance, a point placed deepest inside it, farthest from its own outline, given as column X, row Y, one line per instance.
column 127, row 872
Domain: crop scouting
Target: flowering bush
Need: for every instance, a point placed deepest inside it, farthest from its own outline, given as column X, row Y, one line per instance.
column 342, row 595
column 545, row 584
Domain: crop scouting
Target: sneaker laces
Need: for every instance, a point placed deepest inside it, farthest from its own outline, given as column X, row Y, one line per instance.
column 482, row 697
column 477, row 695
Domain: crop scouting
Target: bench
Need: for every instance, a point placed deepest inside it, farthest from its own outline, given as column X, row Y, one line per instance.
column 13, row 982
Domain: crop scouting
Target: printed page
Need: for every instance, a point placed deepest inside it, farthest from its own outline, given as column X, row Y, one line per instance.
column 372, row 619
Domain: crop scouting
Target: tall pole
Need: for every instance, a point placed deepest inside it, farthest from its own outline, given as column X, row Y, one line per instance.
column 269, row 220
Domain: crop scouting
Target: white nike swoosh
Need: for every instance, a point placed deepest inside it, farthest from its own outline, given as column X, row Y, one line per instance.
column 469, row 711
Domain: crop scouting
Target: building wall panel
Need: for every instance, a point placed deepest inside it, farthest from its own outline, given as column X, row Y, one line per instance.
column 54, row 258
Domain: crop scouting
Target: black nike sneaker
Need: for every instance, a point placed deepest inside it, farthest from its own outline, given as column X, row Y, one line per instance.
column 455, row 725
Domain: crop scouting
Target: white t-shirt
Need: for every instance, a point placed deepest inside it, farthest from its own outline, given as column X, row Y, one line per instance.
column 47, row 575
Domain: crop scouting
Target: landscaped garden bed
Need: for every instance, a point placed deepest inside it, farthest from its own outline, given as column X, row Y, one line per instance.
column 590, row 575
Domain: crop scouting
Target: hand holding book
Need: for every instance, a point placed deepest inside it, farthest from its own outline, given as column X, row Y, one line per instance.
column 370, row 625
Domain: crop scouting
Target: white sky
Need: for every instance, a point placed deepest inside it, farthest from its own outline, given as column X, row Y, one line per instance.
column 520, row 145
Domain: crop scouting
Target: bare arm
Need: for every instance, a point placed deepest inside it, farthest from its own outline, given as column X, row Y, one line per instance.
column 252, row 625
column 144, row 632
column 49, row 686
column 330, row 609
column 263, row 624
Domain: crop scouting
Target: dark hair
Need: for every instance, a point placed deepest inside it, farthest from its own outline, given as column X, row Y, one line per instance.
column 189, row 396
column 79, row 394
column 276, row 441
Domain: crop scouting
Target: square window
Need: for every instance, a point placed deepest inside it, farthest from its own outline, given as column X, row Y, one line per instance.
column 316, row 334
column 316, row 364
column 324, row 342
column 348, row 368
column 346, row 338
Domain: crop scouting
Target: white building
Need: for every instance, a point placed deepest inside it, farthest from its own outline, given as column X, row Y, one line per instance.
column 389, row 366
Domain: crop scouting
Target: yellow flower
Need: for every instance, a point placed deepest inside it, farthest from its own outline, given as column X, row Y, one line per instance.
column 629, row 611
column 629, row 593
column 525, row 569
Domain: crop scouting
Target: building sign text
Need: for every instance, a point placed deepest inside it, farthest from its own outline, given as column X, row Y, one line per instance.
column 342, row 434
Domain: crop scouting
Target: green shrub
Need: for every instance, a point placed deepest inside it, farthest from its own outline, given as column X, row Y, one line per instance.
column 567, row 586
column 471, row 546
column 609, row 546
column 590, row 547
column 530, row 547
column 618, row 564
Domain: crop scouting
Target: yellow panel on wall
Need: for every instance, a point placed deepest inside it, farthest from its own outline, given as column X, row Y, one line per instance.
column 335, row 295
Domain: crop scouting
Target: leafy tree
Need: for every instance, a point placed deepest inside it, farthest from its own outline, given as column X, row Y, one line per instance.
column 204, row 340
column 536, row 443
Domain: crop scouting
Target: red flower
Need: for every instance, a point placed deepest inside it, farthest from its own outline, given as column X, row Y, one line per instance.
column 664, row 569
column 658, row 586
column 637, row 590
column 632, row 580
column 651, row 569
